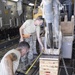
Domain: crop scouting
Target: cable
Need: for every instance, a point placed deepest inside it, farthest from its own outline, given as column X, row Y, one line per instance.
column 34, row 62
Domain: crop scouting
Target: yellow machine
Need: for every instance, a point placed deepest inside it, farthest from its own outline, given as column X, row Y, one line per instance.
column 37, row 14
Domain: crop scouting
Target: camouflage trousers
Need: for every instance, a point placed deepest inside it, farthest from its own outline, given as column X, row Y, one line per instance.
column 32, row 42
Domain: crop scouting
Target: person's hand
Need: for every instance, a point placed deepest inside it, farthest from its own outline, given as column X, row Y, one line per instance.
column 43, row 48
column 21, row 39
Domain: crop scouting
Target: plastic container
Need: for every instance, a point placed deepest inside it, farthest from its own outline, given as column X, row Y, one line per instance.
column 66, row 47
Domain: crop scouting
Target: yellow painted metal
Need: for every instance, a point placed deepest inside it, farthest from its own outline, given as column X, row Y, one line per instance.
column 38, row 14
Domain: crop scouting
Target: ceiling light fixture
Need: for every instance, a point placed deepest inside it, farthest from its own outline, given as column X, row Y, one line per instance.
column 31, row 4
column 15, row 0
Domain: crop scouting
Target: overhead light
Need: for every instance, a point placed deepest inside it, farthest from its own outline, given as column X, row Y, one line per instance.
column 31, row 4
column 15, row 0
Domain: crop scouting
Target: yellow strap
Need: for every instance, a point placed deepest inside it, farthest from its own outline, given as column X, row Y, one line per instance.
column 33, row 63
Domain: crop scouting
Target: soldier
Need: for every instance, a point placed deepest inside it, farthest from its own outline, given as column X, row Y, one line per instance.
column 10, row 61
column 27, row 31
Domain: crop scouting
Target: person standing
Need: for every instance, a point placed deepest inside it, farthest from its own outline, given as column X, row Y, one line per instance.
column 27, row 31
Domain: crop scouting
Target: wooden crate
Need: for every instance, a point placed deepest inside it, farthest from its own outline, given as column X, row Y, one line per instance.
column 49, row 66
column 67, row 27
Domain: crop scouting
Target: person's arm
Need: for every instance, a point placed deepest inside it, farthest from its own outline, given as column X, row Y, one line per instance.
column 39, row 38
column 21, row 31
column 9, row 63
